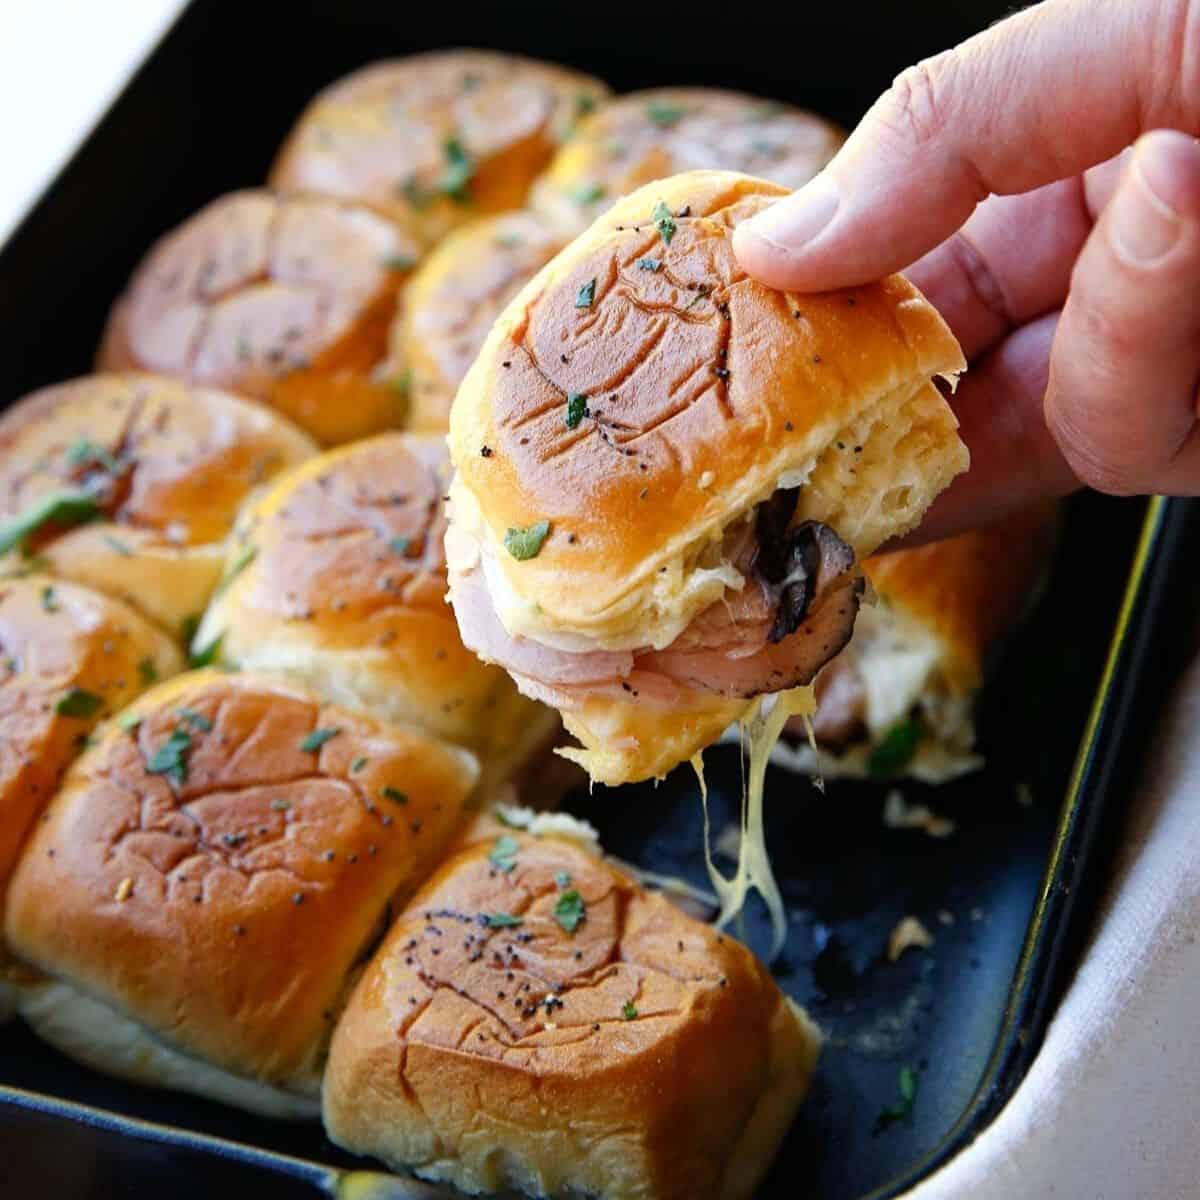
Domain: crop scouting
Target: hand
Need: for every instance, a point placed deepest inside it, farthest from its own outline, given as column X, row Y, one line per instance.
column 1066, row 261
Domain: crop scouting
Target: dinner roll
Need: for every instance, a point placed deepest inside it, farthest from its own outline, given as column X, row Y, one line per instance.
column 435, row 139
column 287, row 301
column 536, row 1020
column 129, row 483
column 209, row 874
column 665, row 472
column 643, row 136
column 899, row 700
column 451, row 302
column 68, row 658
column 343, row 586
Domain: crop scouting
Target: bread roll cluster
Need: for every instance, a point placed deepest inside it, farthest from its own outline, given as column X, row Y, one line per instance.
column 243, row 748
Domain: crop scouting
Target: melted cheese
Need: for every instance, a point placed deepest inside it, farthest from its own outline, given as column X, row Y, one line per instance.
column 761, row 729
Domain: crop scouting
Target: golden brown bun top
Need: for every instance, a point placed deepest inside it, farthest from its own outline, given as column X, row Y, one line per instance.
column 161, row 457
column 639, row 1019
column 68, row 658
column 649, row 135
column 702, row 388
column 223, row 903
column 256, row 291
column 344, row 555
column 967, row 590
column 434, row 139
column 452, row 301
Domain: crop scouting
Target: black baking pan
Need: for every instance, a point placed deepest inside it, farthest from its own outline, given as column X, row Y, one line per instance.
column 1065, row 719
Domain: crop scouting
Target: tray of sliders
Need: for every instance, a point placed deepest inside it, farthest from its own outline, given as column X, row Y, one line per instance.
column 457, row 734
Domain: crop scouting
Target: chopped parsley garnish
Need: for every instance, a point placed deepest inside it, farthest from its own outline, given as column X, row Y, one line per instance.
column 664, row 115
column 504, row 853
column 170, row 759
column 586, row 294
column 414, row 193
column 78, row 703
column 628, row 1010
column 587, row 193
column 313, row 742
column 239, row 564
column 505, row 819
column 187, row 629
column 400, row 262
column 401, row 384
column 148, row 671
column 895, row 749
column 208, row 655
column 400, row 545
column 58, row 508
column 584, row 103
column 503, row 920
column 189, row 716
column 49, row 598
column 84, row 453
column 663, row 221
column 119, row 546
column 576, row 409
column 395, row 795
column 128, row 721
column 563, row 879
column 526, row 543
column 570, row 910
column 650, row 264
column 902, row 1109
column 357, row 765
column 458, row 173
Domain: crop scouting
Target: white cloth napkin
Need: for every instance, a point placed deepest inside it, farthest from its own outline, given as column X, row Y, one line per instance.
column 1110, row 1107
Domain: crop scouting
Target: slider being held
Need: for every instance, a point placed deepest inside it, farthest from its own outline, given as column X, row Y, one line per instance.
column 209, row 875
column 535, row 1019
column 666, row 473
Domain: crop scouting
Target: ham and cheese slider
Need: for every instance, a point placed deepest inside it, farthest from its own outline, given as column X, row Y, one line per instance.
column 666, row 473
column 202, row 887
column 130, row 484
column 537, row 1020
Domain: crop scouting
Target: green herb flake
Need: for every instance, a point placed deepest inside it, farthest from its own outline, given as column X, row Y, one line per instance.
column 900, row 1111
column 503, row 920
column 49, row 599
column 119, row 546
column 665, row 115
column 245, row 557
column 459, row 172
column 895, row 749
column 148, row 671
column 401, row 383
column 399, row 262
column 664, row 222
column 414, row 192
column 587, row 193
column 358, row 764
column 505, row 819
column 570, row 910
column 399, row 545
column 585, row 103
column 83, row 453
column 628, row 1010
column 650, row 264
column 208, row 655
column 189, row 716
column 395, row 795
column 526, row 543
column 129, row 721
column 586, row 294
column 64, row 509
column 563, row 879
column 188, row 627
column 576, row 409
column 170, row 759
column 78, row 703
column 313, row 742
column 504, row 853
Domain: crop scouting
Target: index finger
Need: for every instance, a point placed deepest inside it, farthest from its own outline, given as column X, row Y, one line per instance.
column 1039, row 97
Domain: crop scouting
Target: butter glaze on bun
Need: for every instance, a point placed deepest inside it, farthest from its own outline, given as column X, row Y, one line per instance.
column 452, row 300
column 285, row 300
column 343, row 587
column 433, row 140
column 211, row 873
column 639, row 1054
column 634, row 408
column 643, row 136
column 162, row 468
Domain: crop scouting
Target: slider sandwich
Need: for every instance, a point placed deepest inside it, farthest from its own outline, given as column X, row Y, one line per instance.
column 434, row 140
column 129, row 483
column 337, row 578
column 537, row 1020
column 667, row 474
column 210, row 875
column 286, row 300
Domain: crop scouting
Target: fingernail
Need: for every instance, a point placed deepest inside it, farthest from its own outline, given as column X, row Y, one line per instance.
column 1145, row 222
column 795, row 221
